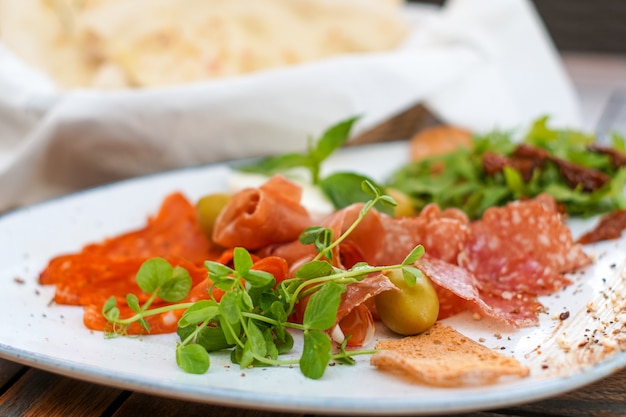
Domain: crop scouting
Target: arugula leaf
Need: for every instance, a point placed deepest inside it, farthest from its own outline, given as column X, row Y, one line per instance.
column 465, row 185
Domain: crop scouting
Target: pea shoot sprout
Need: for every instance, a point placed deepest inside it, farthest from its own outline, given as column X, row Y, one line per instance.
column 251, row 319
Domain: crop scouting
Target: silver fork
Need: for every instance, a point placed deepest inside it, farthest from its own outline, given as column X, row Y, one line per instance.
column 613, row 118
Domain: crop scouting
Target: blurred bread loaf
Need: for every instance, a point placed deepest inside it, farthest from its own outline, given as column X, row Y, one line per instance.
column 139, row 43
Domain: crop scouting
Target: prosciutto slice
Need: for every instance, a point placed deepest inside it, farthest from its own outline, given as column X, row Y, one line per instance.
column 257, row 217
column 383, row 240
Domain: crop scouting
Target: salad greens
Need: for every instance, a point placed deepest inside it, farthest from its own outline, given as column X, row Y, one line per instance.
column 465, row 184
column 252, row 316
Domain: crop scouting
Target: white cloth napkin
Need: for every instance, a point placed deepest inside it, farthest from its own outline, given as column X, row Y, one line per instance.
column 480, row 64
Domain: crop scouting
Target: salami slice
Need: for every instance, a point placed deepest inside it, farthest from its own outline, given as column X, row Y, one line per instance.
column 523, row 247
column 458, row 291
column 442, row 233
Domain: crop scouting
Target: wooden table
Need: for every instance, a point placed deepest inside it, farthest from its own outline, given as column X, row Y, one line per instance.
column 29, row 392
column 26, row 391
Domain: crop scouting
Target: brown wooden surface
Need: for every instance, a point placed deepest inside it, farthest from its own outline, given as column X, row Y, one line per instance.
column 28, row 392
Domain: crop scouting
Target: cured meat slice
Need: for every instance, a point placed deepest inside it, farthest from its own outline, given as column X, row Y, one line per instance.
column 442, row 233
column 257, row 217
column 92, row 279
column 457, row 291
column 362, row 245
column 383, row 240
column 354, row 316
column 609, row 227
column 174, row 232
column 523, row 247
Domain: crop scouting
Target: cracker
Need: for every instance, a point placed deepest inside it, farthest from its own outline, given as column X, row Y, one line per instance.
column 444, row 357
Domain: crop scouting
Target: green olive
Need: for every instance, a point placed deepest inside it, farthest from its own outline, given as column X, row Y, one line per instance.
column 411, row 310
column 208, row 208
column 405, row 207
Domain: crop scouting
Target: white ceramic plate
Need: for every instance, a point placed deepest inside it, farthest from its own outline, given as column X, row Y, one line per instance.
column 51, row 337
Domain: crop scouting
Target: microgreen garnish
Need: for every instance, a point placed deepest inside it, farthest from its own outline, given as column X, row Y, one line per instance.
column 341, row 188
column 251, row 319
column 317, row 152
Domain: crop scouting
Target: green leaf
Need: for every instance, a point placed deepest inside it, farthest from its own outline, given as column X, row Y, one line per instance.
column 284, row 342
column 271, row 350
column 212, row 339
column 333, row 138
column 275, row 164
column 193, row 359
column 320, row 237
column 153, row 273
column 278, row 313
column 259, row 279
column 255, row 345
column 200, row 311
column 217, row 269
column 321, row 310
column 346, row 188
column 224, row 283
column 360, row 266
column 387, row 200
column 110, row 311
column 231, row 330
column 177, row 287
column 184, row 332
column 316, row 354
column 369, row 188
column 311, row 234
column 514, row 181
column 236, row 354
column 323, row 242
column 411, row 275
column 242, row 261
column 314, row 269
column 414, row 256
column 133, row 302
column 230, row 306
column 247, row 304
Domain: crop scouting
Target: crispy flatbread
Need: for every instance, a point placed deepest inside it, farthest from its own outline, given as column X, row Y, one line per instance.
column 444, row 357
